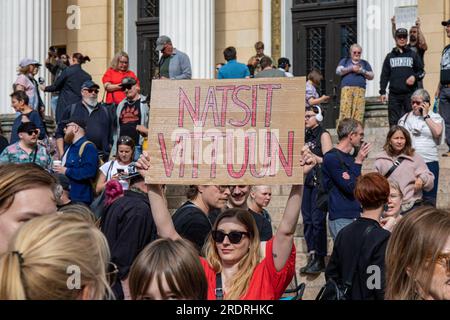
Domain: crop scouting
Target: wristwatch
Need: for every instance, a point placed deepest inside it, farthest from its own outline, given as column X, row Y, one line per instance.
column 427, row 117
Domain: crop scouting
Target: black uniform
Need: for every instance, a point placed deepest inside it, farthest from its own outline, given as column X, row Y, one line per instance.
column 397, row 68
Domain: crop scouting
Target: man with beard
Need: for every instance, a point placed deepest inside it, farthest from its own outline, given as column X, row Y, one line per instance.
column 402, row 69
column 99, row 121
column 238, row 199
column 79, row 162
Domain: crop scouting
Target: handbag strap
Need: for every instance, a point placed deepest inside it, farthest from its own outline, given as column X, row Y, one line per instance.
column 349, row 281
column 219, row 290
column 35, row 153
column 395, row 166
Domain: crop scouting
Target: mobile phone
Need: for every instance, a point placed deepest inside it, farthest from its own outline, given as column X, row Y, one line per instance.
column 120, row 171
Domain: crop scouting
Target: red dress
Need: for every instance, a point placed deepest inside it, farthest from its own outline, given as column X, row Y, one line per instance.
column 115, row 77
column 266, row 283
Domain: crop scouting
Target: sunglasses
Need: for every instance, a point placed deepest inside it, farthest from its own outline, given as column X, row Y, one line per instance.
column 92, row 90
column 356, row 52
column 234, row 236
column 31, row 132
column 112, row 273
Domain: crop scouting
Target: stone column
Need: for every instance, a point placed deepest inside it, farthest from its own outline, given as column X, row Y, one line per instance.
column 25, row 31
column 190, row 24
column 375, row 35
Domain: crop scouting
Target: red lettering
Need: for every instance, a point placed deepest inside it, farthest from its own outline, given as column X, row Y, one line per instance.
column 254, row 104
column 177, row 152
column 230, row 153
column 269, row 96
column 242, row 105
column 225, row 90
column 211, row 102
column 185, row 102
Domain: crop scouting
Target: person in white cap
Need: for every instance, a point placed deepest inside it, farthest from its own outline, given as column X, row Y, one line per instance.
column 27, row 70
column 174, row 64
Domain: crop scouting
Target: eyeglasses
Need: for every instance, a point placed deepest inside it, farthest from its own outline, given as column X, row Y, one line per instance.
column 308, row 116
column 69, row 125
column 223, row 188
column 92, row 90
column 112, row 273
column 31, row 132
column 234, row 236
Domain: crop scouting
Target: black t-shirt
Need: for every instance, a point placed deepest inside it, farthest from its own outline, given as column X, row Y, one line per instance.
column 192, row 224
column 129, row 119
column 264, row 226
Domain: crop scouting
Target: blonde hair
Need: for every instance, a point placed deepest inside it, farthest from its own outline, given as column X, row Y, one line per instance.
column 19, row 177
column 115, row 61
column 37, row 265
column 241, row 280
column 412, row 252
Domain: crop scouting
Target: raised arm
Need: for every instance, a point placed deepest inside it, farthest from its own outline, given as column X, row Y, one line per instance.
column 160, row 212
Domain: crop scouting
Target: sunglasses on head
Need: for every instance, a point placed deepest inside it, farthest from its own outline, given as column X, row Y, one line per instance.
column 234, row 236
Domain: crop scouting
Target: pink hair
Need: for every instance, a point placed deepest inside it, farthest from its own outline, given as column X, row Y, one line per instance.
column 113, row 191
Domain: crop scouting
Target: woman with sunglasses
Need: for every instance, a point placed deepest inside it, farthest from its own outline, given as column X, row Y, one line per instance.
column 56, row 257
column 234, row 266
column 69, row 84
column 354, row 73
column 114, row 169
column 426, row 130
column 418, row 257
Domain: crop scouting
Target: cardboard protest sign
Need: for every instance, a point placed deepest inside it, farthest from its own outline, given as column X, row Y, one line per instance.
column 226, row 132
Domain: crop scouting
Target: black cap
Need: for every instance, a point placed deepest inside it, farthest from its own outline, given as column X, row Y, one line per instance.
column 283, row 62
column 78, row 121
column 401, row 32
column 26, row 127
column 445, row 23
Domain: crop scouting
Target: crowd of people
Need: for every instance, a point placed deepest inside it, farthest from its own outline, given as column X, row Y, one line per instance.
column 80, row 205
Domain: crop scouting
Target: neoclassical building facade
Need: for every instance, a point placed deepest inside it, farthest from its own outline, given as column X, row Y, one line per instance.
column 311, row 33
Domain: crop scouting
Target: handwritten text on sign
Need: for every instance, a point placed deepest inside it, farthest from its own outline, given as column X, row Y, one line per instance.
column 227, row 132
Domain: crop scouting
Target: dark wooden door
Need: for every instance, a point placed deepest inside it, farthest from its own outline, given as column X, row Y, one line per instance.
column 323, row 33
column 147, row 34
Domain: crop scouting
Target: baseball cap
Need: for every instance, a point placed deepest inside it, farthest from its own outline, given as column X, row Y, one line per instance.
column 401, row 32
column 445, row 23
column 282, row 62
column 89, row 84
column 27, row 62
column 26, row 127
column 162, row 40
column 78, row 121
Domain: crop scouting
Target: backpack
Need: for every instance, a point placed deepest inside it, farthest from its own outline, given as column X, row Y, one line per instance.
column 323, row 192
column 99, row 163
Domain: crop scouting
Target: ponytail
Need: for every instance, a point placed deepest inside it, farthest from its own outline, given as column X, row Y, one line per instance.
column 11, row 286
column 80, row 58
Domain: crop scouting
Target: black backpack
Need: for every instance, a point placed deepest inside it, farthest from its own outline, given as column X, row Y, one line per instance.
column 323, row 192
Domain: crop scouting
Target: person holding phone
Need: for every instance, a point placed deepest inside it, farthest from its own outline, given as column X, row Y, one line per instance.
column 426, row 130
column 119, row 167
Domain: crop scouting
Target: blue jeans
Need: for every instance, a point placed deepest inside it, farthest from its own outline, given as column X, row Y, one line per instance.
column 314, row 222
column 137, row 152
column 337, row 225
column 430, row 196
column 54, row 103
